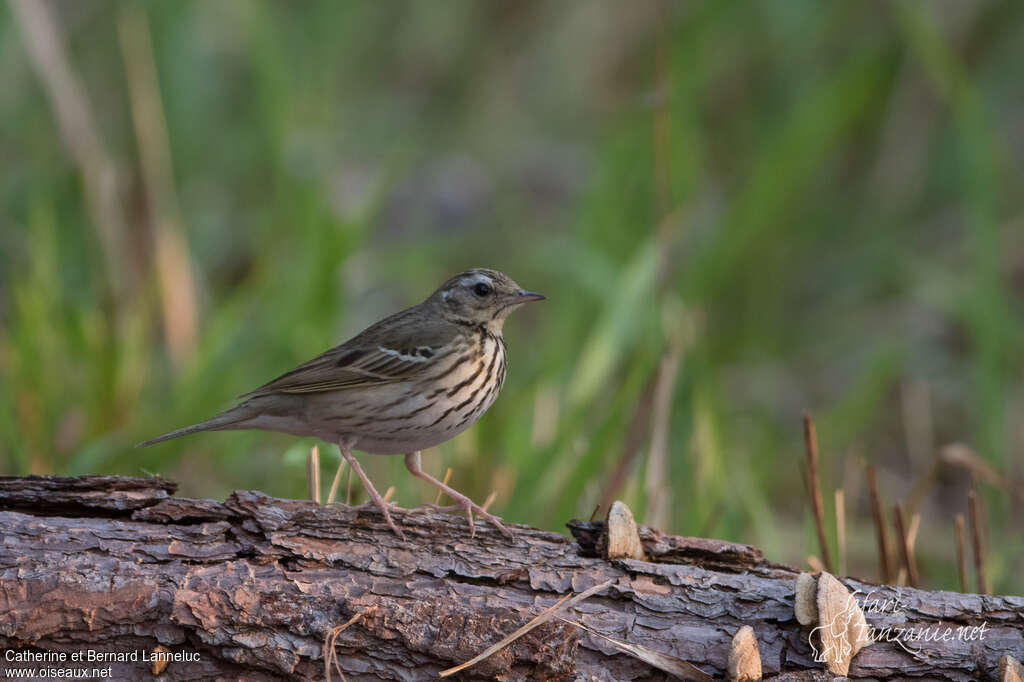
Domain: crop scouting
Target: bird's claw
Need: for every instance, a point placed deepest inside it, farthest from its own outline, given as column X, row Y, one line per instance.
column 384, row 509
column 469, row 506
column 390, row 521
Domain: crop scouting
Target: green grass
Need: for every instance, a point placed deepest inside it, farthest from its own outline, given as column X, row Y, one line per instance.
column 818, row 207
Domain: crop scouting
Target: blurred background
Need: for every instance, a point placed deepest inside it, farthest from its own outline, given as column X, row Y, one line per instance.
column 738, row 210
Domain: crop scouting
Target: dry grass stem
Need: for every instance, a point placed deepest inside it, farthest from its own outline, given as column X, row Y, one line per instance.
column 841, row 531
column 963, row 457
column 330, row 655
column 565, row 602
column 961, row 554
column 334, row 483
column 912, row 528
column 922, row 487
column 388, row 493
column 100, row 176
column 664, row 662
column 447, row 477
column 979, row 558
column 905, row 547
column 814, row 489
column 879, row 519
column 313, row 474
column 915, row 525
column 632, row 445
column 815, row 563
column 173, row 267
column 659, row 495
column 490, row 500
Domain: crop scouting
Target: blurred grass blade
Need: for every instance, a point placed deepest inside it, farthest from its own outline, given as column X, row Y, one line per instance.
column 174, row 272
column 77, row 125
column 628, row 310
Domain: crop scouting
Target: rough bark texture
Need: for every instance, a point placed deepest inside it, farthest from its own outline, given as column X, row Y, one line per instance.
column 251, row 586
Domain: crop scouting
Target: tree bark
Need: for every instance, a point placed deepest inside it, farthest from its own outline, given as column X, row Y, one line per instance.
column 249, row 589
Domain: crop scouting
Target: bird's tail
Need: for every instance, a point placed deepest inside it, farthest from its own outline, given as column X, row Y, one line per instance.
column 230, row 419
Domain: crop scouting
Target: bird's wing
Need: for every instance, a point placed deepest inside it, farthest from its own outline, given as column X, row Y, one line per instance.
column 383, row 354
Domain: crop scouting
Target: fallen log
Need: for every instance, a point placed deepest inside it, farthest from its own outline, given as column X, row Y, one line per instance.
column 117, row 574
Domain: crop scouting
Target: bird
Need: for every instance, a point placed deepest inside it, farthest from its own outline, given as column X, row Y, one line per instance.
column 411, row 381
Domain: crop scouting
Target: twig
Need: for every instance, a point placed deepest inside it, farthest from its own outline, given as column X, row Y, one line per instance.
column 979, row 558
column 904, row 540
column 568, row 601
column 666, row 662
column 313, row 474
column 961, row 557
column 879, row 519
column 813, row 489
column 841, row 531
column 330, row 655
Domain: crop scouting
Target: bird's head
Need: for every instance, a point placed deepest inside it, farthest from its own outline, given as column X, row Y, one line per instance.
column 481, row 297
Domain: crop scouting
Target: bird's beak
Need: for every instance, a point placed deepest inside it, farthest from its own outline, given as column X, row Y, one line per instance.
column 526, row 296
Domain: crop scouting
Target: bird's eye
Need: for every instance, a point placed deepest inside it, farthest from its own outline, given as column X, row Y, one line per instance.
column 482, row 289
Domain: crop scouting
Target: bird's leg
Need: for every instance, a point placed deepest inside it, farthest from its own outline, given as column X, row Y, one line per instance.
column 375, row 497
column 412, row 463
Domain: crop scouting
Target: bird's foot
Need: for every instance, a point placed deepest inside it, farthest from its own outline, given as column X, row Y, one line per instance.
column 464, row 504
column 368, row 504
column 384, row 507
column 375, row 497
column 412, row 463
column 391, row 523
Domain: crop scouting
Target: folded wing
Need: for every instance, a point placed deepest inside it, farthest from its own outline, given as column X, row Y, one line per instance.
column 374, row 357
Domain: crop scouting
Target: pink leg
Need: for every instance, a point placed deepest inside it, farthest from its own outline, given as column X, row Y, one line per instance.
column 412, row 463
column 375, row 497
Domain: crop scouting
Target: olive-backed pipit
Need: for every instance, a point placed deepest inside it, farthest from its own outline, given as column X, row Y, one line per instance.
column 409, row 382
